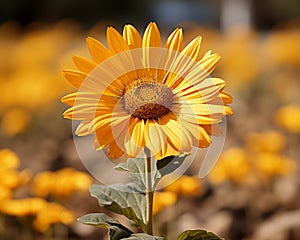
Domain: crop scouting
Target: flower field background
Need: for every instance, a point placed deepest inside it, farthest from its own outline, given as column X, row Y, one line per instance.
column 252, row 193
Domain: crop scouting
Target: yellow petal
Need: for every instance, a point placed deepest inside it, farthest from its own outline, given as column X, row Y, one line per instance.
column 204, row 139
column 134, row 140
column 83, row 128
column 88, row 82
column 81, row 112
column 155, row 138
column 201, row 71
column 168, row 151
column 80, row 97
column 151, row 36
column 177, row 135
column 182, row 65
column 214, row 130
column 151, row 39
column 226, row 98
column 205, row 119
column 196, row 108
column 103, row 133
column 91, row 108
column 228, row 110
column 207, row 54
column 119, row 126
column 195, row 73
column 210, row 62
column 125, row 62
column 84, row 64
column 200, row 138
column 132, row 36
column 174, row 41
column 97, row 50
column 114, row 151
column 76, row 78
column 174, row 45
column 84, row 81
column 193, row 48
column 206, row 90
column 113, row 119
column 115, row 41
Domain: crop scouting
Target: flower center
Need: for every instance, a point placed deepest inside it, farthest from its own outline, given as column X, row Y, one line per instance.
column 147, row 99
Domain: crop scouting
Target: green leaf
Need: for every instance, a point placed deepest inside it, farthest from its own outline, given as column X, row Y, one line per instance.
column 159, row 168
column 122, row 167
column 116, row 230
column 142, row 236
column 169, row 164
column 198, row 235
column 137, row 172
column 122, row 199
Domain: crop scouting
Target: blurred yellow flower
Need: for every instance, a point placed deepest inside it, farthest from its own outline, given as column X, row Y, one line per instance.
column 50, row 214
column 282, row 47
column 240, row 63
column 272, row 164
column 45, row 213
column 186, row 186
column 22, row 207
column 288, row 117
column 15, row 121
column 10, row 178
column 25, row 85
column 271, row 141
column 8, row 160
column 62, row 183
column 233, row 165
column 13, row 179
column 162, row 200
column 5, row 193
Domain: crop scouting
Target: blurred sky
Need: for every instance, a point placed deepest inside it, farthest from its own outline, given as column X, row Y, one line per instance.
column 219, row 13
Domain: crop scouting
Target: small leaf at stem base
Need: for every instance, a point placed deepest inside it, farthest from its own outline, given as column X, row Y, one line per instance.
column 116, row 230
column 198, row 235
column 142, row 236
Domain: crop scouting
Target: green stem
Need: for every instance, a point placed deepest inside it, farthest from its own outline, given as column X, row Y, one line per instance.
column 149, row 193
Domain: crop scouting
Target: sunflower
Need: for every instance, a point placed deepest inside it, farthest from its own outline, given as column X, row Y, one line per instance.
column 138, row 94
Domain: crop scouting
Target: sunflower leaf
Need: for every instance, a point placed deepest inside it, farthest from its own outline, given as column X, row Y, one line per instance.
column 122, row 167
column 137, row 172
column 169, row 164
column 159, row 168
column 142, row 236
column 123, row 199
column 198, row 235
column 116, row 230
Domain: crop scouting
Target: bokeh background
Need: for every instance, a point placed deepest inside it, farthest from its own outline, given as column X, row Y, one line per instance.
column 253, row 191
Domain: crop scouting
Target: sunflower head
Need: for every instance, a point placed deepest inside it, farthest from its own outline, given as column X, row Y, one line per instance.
column 147, row 98
column 138, row 93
